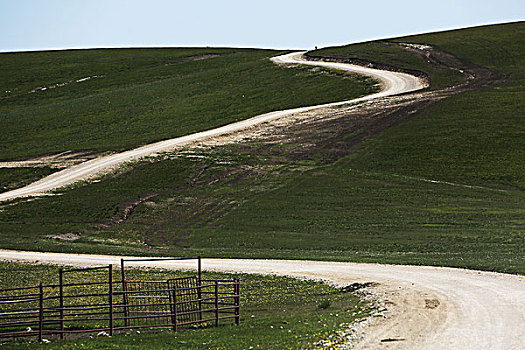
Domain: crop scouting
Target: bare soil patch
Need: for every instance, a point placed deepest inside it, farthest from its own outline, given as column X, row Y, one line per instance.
column 68, row 237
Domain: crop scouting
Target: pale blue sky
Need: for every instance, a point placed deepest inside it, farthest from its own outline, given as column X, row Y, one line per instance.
column 59, row 24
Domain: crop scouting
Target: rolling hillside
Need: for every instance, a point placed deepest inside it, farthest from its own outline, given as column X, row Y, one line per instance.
column 90, row 102
column 112, row 100
column 439, row 182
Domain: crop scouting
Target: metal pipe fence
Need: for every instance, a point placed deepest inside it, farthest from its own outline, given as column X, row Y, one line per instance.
column 111, row 306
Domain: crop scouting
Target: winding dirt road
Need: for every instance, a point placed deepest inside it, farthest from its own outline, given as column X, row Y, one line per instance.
column 429, row 307
column 393, row 83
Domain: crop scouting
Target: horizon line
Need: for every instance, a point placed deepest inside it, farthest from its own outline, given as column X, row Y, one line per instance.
column 219, row 46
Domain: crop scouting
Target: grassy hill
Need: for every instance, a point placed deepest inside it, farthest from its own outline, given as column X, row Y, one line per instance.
column 116, row 99
column 381, row 204
column 442, row 187
column 475, row 137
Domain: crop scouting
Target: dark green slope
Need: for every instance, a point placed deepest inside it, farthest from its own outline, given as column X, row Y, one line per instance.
column 476, row 137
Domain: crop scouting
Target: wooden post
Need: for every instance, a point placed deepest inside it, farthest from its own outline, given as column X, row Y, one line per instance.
column 61, row 300
column 41, row 312
column 216, row 304
column 110, row 300
column 237, row 291
column 124, row 295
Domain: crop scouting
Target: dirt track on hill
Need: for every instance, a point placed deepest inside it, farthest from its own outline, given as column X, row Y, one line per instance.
column 428, row 307
column 393, row 83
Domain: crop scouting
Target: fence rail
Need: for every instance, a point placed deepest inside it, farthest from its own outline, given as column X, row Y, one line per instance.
column 109, row 306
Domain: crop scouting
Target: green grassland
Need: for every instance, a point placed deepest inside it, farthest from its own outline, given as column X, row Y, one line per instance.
column 276, row 313
column 11, row 178
column 444, row 187
column 476, row 137
column 144, row 95
column 340, row 213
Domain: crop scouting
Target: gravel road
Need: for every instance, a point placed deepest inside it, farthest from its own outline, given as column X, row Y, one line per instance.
column 392, row 83
column 428, row 307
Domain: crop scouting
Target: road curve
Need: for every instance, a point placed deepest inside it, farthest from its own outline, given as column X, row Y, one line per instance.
column 392, row 83
column 445, row 308
column 437, row 308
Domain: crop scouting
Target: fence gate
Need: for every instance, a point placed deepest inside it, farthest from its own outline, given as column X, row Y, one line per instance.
column 84, row 305
column 89, row 300
column 186, row 295
column 148, row 303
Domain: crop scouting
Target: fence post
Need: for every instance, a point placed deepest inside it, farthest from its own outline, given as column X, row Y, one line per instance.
column 174, row 307
column 237, row 291
column 110, row 299
column 199, row 291
column 124, row 295
column 41, row 312
column 61, row 300
column 199, row 270
column 216, row 304
column 171, row 294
